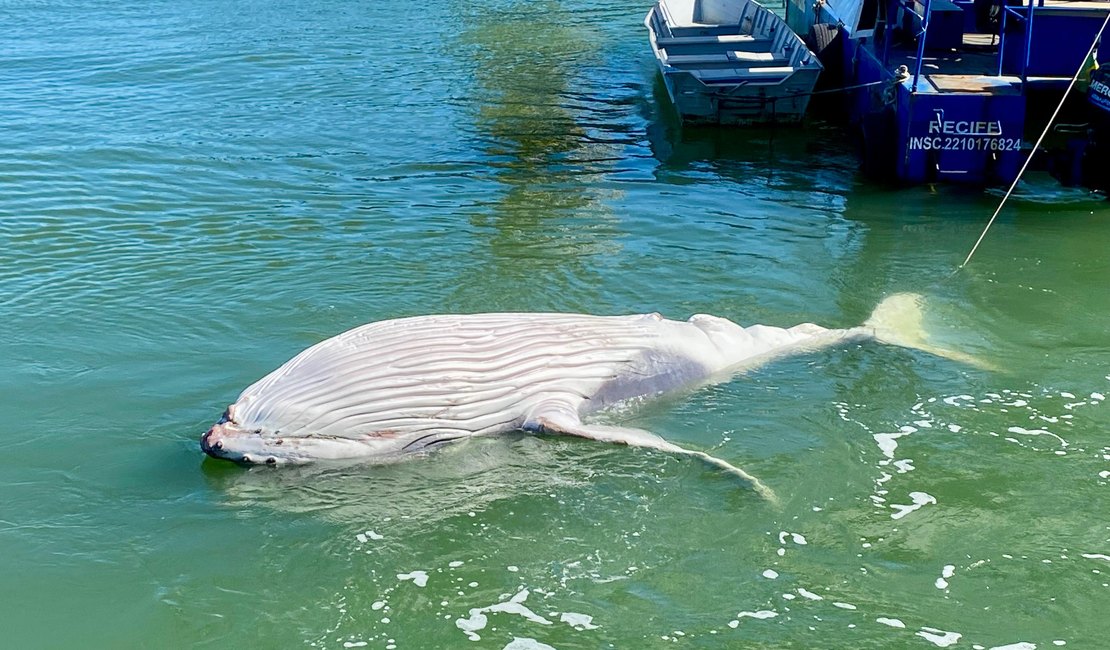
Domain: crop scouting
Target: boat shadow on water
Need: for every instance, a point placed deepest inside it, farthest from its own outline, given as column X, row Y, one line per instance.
column 768, row 154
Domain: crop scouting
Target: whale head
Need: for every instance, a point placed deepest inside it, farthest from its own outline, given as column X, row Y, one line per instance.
column 229, row 440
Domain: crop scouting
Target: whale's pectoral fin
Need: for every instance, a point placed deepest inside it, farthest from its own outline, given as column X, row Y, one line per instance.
column 558, row 419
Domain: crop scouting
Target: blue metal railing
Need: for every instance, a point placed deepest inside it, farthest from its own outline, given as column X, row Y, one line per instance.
column 921, row 41
column 1027, row 18
column 923, row 17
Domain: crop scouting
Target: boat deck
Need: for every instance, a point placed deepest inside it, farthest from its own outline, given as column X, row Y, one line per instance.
column 965, row 71
column 973, row 69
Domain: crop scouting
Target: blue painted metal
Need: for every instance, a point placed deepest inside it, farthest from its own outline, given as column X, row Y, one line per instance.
column 943, row 136
column 1058, row 45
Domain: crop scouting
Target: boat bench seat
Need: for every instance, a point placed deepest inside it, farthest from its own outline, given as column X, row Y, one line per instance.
column 710, row 40
column 690, row 31
column 740, row 75
column 730, row 58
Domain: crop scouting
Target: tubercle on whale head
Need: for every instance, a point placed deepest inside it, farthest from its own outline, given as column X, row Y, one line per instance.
column 213, row 440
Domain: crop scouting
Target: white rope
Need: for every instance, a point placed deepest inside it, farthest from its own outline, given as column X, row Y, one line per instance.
column 1038, row 145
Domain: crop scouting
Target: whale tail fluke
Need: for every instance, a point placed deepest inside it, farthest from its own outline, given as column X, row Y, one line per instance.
column 899, row 320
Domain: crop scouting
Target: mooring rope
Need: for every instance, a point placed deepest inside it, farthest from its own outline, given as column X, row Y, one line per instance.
column 1037, row 146
column 771, row 100
column 842, row 89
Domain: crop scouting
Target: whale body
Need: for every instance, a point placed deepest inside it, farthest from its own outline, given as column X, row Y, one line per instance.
column 391, row 388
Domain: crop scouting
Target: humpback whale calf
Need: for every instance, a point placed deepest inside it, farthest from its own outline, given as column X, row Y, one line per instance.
column 391, row 388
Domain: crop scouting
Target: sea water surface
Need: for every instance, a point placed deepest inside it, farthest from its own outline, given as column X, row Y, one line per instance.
column 193, row 191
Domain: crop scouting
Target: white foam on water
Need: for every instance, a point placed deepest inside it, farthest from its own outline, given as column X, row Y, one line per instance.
column 419, row 578
column 770, row 574
column 762, row 614
column 798, row 539
column 578, row 621
column 377, row 605
column 948, row 571
column 887, row 442
column 844, row 605
column 805, row 593
column 526, row 643
column 1020, row 645
column 454, row 564
column 1096, row 556
column 1037, row 432
column 355, row 644
column 920, row 499
column 892, row 622
column 471, row 626
column 515, row 605
column 939, row 638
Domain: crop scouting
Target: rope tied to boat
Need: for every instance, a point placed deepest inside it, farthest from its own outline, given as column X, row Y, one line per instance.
column 1047, row 126
column 890, row 93
column 723, row 94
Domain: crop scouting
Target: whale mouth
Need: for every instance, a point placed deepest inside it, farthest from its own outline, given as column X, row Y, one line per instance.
column 226, row 441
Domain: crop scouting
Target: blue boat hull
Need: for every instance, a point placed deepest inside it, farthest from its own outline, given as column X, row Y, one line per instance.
column 959, row 138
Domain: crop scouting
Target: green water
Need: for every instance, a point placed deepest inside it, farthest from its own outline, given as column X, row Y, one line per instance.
column 194, row 191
